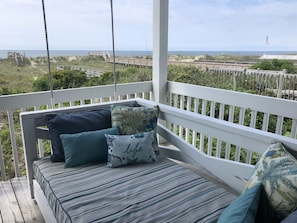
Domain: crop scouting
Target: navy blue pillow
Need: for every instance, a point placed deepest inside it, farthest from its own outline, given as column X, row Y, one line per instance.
column 74, row 123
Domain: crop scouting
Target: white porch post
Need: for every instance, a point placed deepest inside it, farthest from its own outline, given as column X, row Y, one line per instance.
column 160, row 49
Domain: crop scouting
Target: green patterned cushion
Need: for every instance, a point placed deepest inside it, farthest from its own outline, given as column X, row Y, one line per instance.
column 132, row 120
column 130, row 149
column 277, row 171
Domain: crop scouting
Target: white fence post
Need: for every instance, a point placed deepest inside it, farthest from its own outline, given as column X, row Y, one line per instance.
column 280, row 84
column 234, row 81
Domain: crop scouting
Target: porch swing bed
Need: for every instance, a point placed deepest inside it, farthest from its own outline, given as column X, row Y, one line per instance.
column 171, row 181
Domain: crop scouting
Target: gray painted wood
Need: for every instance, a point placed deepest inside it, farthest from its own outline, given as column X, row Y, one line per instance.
column 29, row 209
column 9, row 209
column 16, row 204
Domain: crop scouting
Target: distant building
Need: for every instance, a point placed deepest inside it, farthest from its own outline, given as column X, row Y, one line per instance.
column 17, row 57
column 279, row 57
column 103, row 54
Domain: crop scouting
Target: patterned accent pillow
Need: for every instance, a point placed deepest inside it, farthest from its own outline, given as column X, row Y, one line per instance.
column 130, row 149
column 277, row 171
column 132, row 120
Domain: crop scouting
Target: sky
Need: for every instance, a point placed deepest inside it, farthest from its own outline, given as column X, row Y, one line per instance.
column 231, row 25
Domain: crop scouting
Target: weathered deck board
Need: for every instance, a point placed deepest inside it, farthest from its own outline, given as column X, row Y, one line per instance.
column 16, row 204
column 9, row 209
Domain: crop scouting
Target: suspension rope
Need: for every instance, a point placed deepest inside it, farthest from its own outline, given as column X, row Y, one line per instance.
column 113, row 52
column 48, row 54
column 48, row 57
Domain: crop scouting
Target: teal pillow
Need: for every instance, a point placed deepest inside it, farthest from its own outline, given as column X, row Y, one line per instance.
column 85, row 147
column 130, row 149
column 277, row 172
column 244, row 208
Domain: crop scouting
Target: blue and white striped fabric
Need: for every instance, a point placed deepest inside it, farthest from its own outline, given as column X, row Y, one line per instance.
column 159, row 192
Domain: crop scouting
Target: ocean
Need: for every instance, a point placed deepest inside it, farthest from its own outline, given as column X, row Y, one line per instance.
column 55, row 53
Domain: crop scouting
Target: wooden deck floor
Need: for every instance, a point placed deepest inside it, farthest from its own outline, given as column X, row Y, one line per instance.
column 16, row 204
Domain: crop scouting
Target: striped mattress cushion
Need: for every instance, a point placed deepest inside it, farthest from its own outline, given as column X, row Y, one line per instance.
column 159, row 192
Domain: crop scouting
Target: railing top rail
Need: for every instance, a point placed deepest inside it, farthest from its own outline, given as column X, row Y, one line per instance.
column 8, row 102
column 276, row 106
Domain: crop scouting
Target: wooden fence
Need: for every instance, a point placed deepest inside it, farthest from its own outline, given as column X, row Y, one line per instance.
column 263, row 82
column 269, row 83
column 278, row 84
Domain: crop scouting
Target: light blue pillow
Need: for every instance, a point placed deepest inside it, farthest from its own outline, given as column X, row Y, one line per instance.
column 130, row 149
column 292, row 218
column 86, row 147
column 244, row 208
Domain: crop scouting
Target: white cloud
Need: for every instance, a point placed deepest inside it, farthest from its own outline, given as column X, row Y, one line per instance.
column 193, row 25
column 233, row 25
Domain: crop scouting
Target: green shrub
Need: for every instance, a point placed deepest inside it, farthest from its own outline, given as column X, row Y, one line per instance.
column 276, row 64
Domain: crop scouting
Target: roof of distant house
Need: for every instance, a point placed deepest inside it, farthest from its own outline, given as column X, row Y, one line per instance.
column 280, row 57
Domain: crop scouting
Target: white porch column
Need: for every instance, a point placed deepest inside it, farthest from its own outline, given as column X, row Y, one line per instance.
column 160, row 49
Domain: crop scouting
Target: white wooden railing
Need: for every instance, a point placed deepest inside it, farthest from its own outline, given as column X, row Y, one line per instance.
column 226, row 105
column 236, row 107
column 11, row 105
